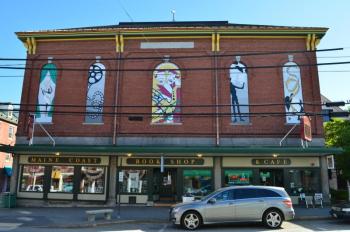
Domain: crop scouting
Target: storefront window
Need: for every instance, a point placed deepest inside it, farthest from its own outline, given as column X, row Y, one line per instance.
column 134, row 181
column 303, row 181
column 238, row 177
column 62, row 179
column 92, row 180
column 32, row 179
column 197, row 182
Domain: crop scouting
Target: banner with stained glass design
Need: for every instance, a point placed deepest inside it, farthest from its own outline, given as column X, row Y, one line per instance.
column 293, row 93
column 166, row 97
column 46, row 95
column 95, row 93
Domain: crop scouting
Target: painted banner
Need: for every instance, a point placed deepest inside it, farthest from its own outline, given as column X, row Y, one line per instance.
column 293, row 94
column 239, row 93
column 166, row 97
column 46, row 95
column 95, row 93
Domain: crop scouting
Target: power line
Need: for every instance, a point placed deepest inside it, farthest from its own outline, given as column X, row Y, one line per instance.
column 252, row 53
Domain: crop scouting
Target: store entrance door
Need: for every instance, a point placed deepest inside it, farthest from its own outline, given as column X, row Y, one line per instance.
column 271, row 177
column 165, row 184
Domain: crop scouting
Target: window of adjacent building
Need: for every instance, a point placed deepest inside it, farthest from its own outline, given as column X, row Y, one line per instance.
column 238, row 177
column 32, row 179
column 11, row 132
column 95, row 93
column 197, row 182
column 62, row 179
column 134, row 181
column 166, row 94
column 303, row 181
column 92, row 179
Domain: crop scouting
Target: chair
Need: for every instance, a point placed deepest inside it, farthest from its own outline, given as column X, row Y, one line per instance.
column 306, row 199
column 318, row 199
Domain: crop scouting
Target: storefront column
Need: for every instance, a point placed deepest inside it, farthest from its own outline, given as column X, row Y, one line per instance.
column 14, row 177
column 111, row 201
column 324, row 179
column 217, row 173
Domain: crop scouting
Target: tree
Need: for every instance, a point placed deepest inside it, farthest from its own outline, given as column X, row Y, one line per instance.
column 337, row 134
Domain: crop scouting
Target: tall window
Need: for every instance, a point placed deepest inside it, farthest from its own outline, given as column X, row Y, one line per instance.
column 166, row 96
column 32, row 179
column 62, row 179
column 95, row 93
column 11, row 132
column 293, row 93
column 46, row 95
column 92, row 179
column 239, row 93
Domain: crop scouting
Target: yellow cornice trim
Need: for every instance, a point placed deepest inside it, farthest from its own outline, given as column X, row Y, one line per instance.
column 313, row 41
column 29, row 45
column 121, row 43
column 317, row 42
column 308, row 39
column 34, row 45
column 261, row 37
column 217, row 42
column 117, row 43
column 213, row 42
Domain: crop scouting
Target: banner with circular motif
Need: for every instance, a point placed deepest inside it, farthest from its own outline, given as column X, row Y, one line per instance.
column 293, row 93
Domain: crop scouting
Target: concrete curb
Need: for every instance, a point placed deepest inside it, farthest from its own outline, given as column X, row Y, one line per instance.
column 313, row 217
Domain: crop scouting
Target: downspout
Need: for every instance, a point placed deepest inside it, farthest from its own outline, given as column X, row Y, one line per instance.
column 216, row 49
column 118, row 50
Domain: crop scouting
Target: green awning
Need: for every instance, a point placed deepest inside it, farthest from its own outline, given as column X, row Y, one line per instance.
column 168, row 150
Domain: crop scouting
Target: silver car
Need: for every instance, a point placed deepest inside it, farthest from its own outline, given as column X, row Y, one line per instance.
column 271, row 205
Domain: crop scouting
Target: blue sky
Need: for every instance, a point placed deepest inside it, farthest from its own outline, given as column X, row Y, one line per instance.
column 24, row 15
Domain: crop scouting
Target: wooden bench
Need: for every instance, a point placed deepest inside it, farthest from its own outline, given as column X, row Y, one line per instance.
column 91, row 214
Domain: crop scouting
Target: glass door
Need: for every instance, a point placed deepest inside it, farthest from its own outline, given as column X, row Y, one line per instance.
column 271, row 177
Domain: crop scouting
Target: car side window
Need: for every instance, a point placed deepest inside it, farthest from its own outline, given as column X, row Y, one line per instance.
column 245, row 193
column 266, row 193
column 224, row 196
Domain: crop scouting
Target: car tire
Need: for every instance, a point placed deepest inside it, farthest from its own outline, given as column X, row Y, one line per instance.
column 273, row 219
column 191, row 220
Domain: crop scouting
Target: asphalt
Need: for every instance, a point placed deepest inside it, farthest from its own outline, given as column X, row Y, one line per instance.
column 75, row 217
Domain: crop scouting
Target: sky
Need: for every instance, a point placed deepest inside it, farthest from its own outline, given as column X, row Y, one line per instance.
column 22, row 15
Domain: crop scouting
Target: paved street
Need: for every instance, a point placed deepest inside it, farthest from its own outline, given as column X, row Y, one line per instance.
column 295, row 226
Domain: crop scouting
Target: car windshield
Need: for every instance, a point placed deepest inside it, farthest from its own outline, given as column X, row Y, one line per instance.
column 210, row 195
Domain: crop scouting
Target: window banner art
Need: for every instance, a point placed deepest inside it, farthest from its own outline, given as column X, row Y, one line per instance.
column 293, row 94
column 166, row 97
column 46, row 95
column 239, row 93
column 95, row 93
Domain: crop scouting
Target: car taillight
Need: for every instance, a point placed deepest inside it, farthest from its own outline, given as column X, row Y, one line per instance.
column 288, row 203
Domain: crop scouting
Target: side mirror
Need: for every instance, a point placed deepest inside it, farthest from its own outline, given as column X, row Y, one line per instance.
column 212, row 201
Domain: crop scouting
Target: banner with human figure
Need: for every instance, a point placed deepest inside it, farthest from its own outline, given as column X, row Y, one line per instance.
column 95, row 93
column 46, row 95
column 166, row 96
column 293, row 93
column 239, row 93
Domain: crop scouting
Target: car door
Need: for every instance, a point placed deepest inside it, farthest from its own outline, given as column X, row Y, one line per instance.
column 222, row 210
column 248, row 206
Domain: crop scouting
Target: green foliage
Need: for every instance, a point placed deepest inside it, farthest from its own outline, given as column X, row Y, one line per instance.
column 337, row 134
column 339, row 195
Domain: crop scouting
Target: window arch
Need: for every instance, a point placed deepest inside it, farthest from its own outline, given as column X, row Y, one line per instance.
column 293, row 94
column 95, row 93
column 46, row 94
column 239, row 96
column 166, row 94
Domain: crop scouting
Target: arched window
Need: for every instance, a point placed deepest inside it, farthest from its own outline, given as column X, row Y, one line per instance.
column 46, row 95
column 166, row 95
column 239, row 93
column 95, row 93
column 293, row 93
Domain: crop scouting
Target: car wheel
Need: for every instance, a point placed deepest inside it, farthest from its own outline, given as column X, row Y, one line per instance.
column 273, row 219
column 191, row 220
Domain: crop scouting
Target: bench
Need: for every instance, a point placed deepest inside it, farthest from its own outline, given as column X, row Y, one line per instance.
column 91, row 214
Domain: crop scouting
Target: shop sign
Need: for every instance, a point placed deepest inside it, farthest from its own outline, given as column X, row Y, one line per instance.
column 271, row 162
column 60, row 160
column 167, row 161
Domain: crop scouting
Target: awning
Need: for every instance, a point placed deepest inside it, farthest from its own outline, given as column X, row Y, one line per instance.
column 169, row 150
column 8, row 171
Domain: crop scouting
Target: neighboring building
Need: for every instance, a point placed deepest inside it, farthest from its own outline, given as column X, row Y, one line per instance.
column 8, row 128
column 228, row 140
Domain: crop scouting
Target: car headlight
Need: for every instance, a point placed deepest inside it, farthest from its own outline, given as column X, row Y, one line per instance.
column 346, row 209
column 175, row 210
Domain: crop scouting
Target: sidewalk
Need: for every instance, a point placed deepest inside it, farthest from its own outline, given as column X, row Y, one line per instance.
column 55, row 217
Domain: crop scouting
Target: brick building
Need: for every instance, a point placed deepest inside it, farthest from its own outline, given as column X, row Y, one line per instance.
column 8, row 128
column 161, row 110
